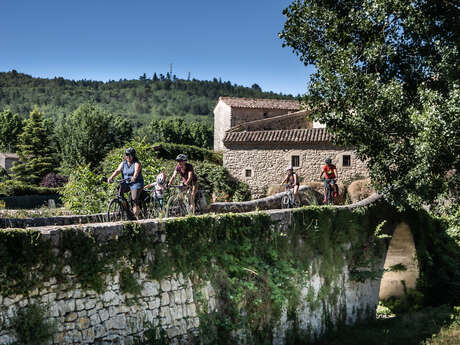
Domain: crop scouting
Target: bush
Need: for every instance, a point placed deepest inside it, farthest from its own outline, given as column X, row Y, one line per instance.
column 31, row 327
column 54, row 180
column 17, row 188
column 85, row 192
column 170, row 151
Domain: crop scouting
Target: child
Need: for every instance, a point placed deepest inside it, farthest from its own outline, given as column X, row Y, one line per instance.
column 160, row 187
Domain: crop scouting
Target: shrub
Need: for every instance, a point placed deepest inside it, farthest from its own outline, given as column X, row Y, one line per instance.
column 170, row 151
column 17, row 188
column 54, row 180
column 85, row 192
column 31, row 327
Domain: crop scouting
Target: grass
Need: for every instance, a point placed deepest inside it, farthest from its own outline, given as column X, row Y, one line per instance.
column 429, row 326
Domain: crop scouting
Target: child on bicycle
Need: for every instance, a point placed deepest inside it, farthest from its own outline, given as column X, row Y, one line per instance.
column 160, row 186
column 189, row 178
column 292, row 180
column 330, row 171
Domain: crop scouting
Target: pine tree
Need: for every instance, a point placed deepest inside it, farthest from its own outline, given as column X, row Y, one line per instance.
column 34, row 150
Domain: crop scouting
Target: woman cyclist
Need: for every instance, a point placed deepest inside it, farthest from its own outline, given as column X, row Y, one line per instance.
column 189, row 178
column 292, row 180
column 131, row 169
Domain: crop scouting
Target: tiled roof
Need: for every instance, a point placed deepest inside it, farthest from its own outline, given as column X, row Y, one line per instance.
column 298, row 136
column 258, row 103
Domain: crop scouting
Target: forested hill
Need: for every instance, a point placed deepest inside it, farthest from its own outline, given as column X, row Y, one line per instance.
column 140, row 100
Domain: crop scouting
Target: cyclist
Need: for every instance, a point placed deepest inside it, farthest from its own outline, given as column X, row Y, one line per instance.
column 131, row 169
column 160, row 187
column 188, row 175
column 292, row 180
column 330, row 171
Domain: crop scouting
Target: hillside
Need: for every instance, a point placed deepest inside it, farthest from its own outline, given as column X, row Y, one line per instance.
column 139, row 100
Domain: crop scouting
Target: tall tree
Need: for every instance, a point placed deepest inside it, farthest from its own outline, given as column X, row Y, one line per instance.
column 34, row 150
column 387, row 82
column 10, row 129
column 85, row 136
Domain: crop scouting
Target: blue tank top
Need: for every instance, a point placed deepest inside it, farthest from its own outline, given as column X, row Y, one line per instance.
column 128, row 172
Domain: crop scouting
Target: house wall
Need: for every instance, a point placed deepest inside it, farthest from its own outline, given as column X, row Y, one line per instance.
column 241, row 115
column 222, row 118
column 268, row 166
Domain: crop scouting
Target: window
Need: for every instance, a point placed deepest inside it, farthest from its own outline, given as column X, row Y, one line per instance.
column 248, row 173
column 346, row 160
column 265, row 115
column 295, row 161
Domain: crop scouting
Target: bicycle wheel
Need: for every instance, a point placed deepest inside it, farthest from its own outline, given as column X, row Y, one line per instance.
column 285, row 201
column 115, row 211
column 176, row 208
column 153, row 208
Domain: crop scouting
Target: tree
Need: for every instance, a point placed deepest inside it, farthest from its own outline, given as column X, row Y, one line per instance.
column 387, row 83
column 88, row 134
column 34, row 150
column 10, row 129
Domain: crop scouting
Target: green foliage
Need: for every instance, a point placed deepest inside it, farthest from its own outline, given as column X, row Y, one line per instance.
column 31, row 327
column 146, row 154
column 177, row 131
column 409, row 329
column 152, row 336
column 171, row 151
column 34, row 151
column 136, row 100
column 16, row 188
column 387, row 82
column 85, row 193
column 411, row 301
column 88, row 134
column 10, row 129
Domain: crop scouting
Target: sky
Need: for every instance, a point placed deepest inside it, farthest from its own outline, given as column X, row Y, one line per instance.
column 236, row 40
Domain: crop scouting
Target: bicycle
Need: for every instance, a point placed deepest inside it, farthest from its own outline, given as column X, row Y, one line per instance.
column 120, row 209
column 288, row 200
column 178, row 204
column 153, row 205
column 331, row 188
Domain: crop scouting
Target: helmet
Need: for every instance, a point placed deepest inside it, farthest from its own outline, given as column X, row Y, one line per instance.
column 328, row 160
column 289, row 168
column 161, row 178
column 181, row 157
column 130, row 152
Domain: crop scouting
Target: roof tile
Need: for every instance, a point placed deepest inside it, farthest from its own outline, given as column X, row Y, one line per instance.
column 259, row 103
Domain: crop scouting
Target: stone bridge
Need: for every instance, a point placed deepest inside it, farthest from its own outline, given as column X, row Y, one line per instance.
column 277, row 274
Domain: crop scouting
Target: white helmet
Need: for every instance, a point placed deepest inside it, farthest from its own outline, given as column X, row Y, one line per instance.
column 161, row 178
column 289, row 168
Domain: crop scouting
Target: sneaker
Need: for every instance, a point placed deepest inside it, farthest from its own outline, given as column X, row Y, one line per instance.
column 335, row 194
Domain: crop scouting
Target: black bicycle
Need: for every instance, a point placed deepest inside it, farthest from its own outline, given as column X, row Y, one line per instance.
column 121, row 209
column 331, row 189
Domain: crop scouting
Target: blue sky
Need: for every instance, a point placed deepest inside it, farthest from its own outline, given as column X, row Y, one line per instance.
column 100, row 40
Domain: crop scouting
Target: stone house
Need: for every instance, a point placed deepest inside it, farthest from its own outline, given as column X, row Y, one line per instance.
column 7, row 160
column 258, row 152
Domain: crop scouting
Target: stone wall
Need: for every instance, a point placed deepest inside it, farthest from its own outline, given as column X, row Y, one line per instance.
column 268, row 166
column 112, row 315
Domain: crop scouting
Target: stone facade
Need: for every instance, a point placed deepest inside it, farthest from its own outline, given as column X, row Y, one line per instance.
column 260, row 167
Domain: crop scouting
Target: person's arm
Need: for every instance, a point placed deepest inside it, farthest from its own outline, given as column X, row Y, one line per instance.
column 137, row 170
column 115, row 173
column 322, row 172
column 189, row 178
column 172, row 178
column 285, row 180
column 296, row 179
column 149, row 185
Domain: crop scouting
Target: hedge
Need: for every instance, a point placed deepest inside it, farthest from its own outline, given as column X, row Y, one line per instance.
column 170, row 151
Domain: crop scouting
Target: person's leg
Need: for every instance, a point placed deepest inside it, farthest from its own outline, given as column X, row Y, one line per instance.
column 135, row 196
column 326, row 183
column 192, row 197
column 296, row 193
